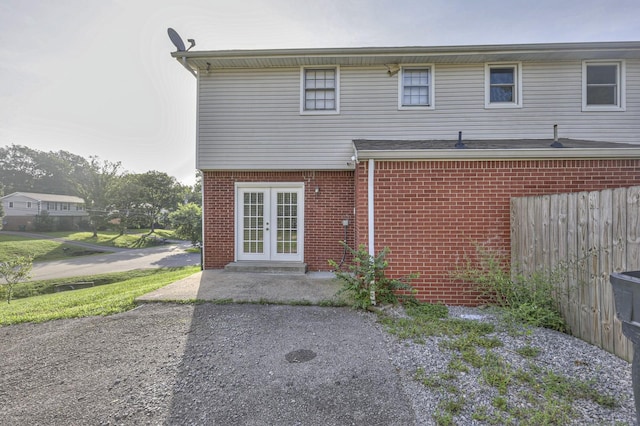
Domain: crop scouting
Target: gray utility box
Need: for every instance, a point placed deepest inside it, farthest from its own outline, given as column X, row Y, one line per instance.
column 626, row 291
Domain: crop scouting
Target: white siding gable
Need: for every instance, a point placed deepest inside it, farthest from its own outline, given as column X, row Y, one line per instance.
column 250, row 118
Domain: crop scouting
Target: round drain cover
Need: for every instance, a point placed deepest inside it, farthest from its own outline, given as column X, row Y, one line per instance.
column 301, row 355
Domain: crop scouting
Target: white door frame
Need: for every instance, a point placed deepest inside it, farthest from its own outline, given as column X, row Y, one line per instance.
column 270, row 240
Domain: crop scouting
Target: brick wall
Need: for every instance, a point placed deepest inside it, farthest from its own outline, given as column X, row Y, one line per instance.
column 429, row 213
column 324, row 213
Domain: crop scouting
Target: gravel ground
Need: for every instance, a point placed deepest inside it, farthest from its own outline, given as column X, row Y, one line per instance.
column 259, row 365
column 560, row 353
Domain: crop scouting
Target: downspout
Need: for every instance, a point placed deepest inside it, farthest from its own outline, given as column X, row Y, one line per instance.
column 370, row 206
column 371, row 217
column 202, row 254
column 184, row 64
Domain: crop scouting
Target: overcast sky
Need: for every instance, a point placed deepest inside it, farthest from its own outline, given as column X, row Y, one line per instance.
column 94, row 77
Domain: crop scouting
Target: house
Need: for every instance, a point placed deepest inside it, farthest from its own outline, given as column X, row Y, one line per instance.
column 22, row 210
column 418, row 149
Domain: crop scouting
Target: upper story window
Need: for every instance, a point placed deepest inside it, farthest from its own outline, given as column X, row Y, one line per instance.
column 10, row 204
column 415, row 87
column 503, row 85
column 28, row 204
column 320, row 91
column 603, row 86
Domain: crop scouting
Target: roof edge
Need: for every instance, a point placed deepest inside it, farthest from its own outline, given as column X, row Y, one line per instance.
column 501, row 154
column 407, row 50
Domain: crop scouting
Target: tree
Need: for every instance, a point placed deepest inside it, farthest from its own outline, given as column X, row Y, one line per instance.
column 187, row 222
column 19, row 168
column 15, row 270
column 1, row 210
column 97, row 190
column 26, row 169
column 125, row 199
column 194, row 194
column 159, row 192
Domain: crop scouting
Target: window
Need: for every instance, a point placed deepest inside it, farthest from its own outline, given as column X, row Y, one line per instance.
column 503, row 86
column 603, row 86
column 10, row 204
column 320, row 91
column 28, row 204
column 415, row 88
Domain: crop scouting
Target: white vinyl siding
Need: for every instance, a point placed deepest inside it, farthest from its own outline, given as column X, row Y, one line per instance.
column 22, row 205
column 250, row 119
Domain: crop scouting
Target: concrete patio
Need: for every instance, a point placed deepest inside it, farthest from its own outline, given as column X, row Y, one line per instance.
column 250, row 287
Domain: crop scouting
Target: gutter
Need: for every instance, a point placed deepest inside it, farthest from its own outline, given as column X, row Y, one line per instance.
column 414, row 50
column 496, row 154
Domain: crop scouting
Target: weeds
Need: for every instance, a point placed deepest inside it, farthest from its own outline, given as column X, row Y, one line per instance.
column 365, row 279
column 528, row 298
column 528, row 351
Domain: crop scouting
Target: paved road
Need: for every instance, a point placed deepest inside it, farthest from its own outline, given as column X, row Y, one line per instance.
column 171, row 255
column 156, row 257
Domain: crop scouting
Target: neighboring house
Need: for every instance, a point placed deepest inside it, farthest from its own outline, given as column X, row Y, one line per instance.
column 22, row 208
column 296, row 145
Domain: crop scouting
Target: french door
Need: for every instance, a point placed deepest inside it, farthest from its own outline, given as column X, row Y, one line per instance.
column 269, row 222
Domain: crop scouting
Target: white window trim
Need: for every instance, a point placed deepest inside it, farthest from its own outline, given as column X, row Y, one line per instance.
column 304, row 111
column 517, row 103
column 622, row 72
column 432, row 82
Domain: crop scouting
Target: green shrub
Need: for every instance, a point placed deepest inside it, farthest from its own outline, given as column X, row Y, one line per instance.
column 529, row 298
column 366, row 282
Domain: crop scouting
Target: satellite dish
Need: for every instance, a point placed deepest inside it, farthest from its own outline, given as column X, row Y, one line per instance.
column 176, row 40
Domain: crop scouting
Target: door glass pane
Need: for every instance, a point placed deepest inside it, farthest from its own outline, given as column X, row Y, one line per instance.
column 253, row 222
column 287, row 222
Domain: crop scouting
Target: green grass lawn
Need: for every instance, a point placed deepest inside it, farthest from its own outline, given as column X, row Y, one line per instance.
column 133, row 239
column 39, row 287
column 41, row 249
column 103, row 300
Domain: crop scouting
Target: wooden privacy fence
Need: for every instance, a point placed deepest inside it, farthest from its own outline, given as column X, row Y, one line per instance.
column 591, row 234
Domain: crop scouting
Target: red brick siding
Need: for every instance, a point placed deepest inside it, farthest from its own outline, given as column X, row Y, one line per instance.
column 324, row 213
column 429, row 213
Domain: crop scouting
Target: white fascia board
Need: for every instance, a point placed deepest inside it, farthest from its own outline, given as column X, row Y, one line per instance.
column 486, row 154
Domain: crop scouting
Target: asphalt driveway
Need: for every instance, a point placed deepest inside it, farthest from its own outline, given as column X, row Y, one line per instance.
column 202, row 364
